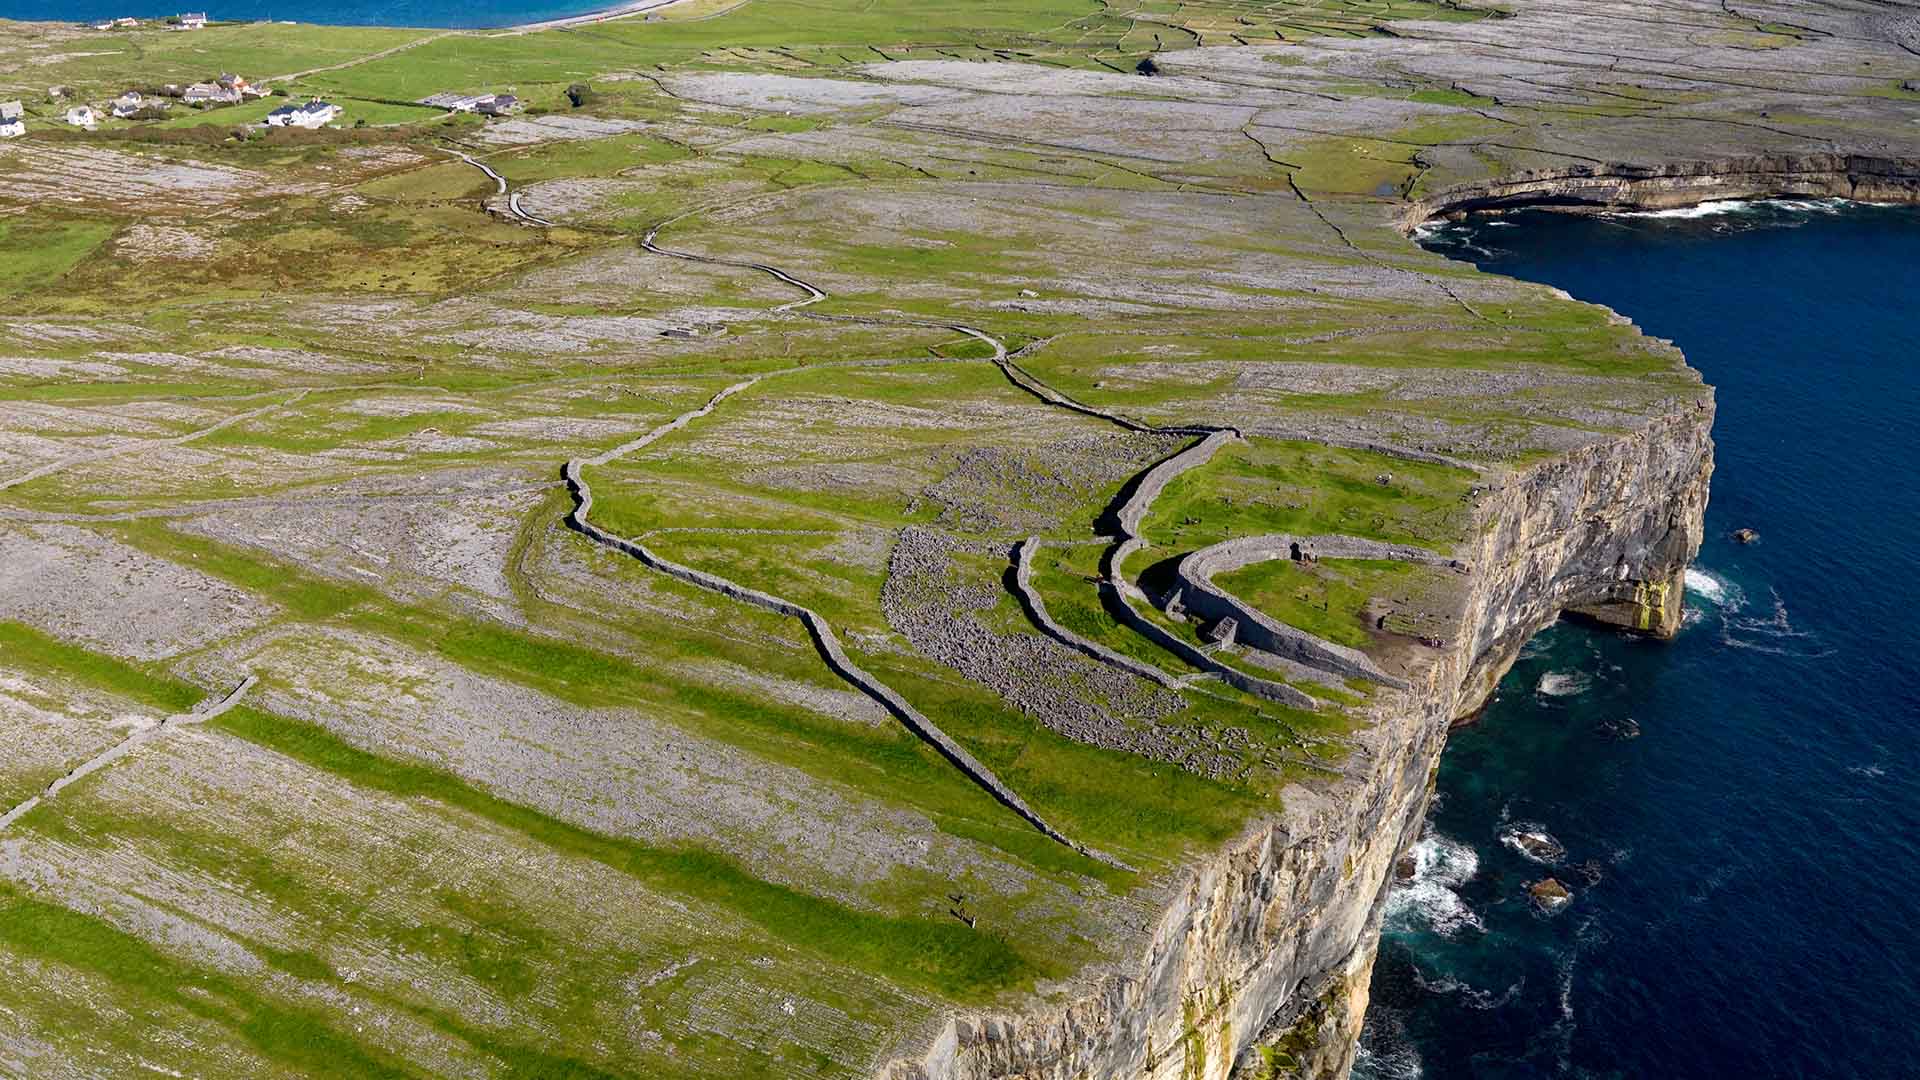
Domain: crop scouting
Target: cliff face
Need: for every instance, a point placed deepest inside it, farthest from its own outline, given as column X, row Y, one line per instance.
column 1660, row 187
column 1271, row 942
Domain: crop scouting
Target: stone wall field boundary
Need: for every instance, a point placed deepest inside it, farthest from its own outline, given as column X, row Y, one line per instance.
column 206, row 710
column 142, row 445
column 1037, row 608
column 1404, row 453
column 1147, row 487
column 824, row 638
column 1269, row 689
column 814, row 295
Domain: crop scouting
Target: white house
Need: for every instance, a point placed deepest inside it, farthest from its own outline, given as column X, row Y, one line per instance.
column 193, row 20
column 12, row 129
column 11, row 111
column 313, row 114
column 82, row 116
column 126, row 21
column 128, row 103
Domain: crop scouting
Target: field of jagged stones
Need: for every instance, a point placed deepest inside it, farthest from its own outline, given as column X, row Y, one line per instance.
column 743, row 583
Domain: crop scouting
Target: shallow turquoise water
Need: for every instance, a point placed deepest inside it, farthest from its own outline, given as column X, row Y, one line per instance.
column 1747, row 885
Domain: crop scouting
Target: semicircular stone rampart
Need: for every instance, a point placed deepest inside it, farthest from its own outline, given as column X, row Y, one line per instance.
column 1258, row 630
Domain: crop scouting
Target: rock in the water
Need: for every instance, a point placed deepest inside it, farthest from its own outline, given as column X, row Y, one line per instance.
column 1550, row 894
column 1405, row 867
column 1628, row 728
column 1745, row 536
column 1535, row 844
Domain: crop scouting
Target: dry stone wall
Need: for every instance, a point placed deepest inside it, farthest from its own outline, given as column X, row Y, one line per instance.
column 1281, row 927
column 824, row 638
column 1037, row 609
column 1257, row 629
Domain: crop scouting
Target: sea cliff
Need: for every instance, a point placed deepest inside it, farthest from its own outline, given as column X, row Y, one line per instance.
column 1260, row 964
column 1673, row 185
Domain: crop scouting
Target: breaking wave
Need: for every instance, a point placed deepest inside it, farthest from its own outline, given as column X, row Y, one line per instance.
column 1562, row 684
column 1440, row 865
column 1385, row 1052
column 1533, row 842
column 1714, row 589
column 1471, row 996
column 1730, row 207
column 1699, row 210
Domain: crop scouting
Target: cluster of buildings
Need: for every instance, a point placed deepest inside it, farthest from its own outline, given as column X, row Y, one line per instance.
column 137, row 105
column 484, row 104
column 186, row 20
column 229, row 89
column 225, row 90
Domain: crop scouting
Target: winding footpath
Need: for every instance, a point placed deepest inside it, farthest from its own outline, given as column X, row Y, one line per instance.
column 199, row 714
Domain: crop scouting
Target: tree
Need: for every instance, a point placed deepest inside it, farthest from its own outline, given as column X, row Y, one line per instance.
column 1146, row 66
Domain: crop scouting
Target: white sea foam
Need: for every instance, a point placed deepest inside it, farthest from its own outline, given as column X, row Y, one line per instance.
column 1397, row 1062
column 1814, row 206
column 1471, row 996
column 1440, row 865
column 1714, row 589
column 1562, row 684
column 1774, row 635
column 1875, row 769
column 1533, row 842
column 1699, row 210
column 1724, row 207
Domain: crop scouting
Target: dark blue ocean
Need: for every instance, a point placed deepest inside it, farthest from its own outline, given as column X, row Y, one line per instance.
column 459, row 14
column 1745, row 869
